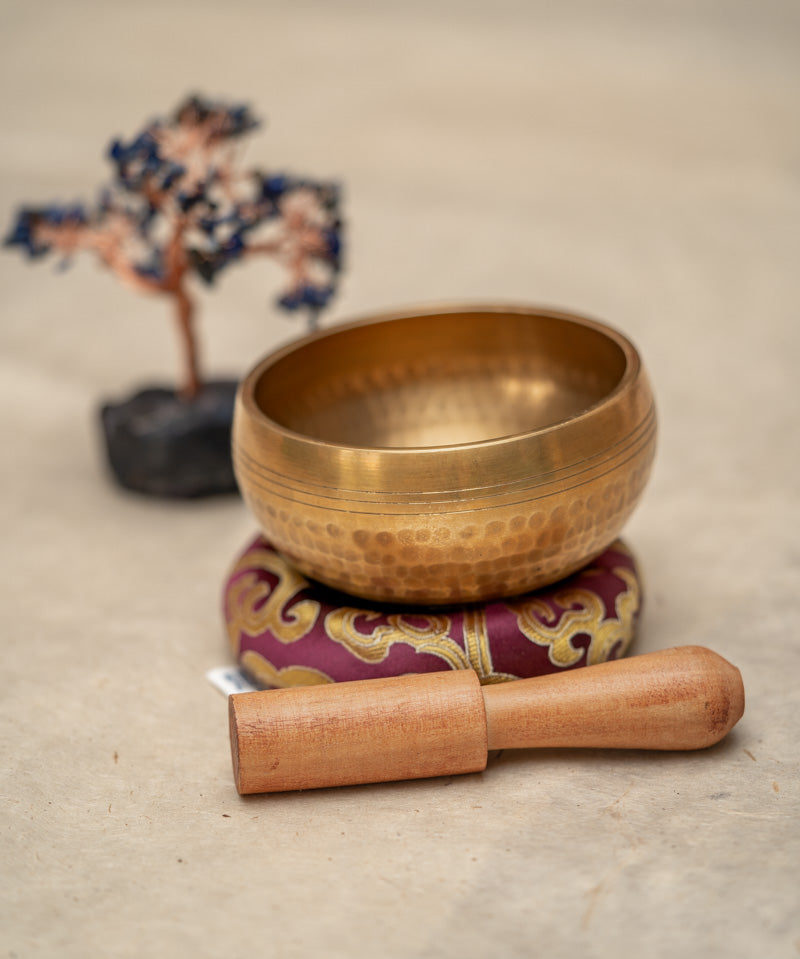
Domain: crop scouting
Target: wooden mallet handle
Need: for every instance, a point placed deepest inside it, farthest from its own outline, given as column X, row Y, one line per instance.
column 436, row 724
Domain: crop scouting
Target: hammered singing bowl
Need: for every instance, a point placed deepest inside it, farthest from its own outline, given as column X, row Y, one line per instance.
column 452, row 455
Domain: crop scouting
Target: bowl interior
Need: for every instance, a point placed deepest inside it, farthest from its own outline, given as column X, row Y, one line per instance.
column 440, row 379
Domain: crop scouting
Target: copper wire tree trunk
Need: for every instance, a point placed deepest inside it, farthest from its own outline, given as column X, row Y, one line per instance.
column 186, row 331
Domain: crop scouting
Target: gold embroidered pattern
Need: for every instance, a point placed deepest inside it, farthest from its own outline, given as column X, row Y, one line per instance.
column 584, row 613
column 476, row 643
column 374, row 646
column 247, row 616
column 262, row 670
column 255, row 606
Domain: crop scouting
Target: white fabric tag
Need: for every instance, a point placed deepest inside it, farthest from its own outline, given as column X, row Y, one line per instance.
column 229, row 679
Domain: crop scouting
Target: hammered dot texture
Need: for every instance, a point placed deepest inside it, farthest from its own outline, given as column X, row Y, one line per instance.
column 445, row 456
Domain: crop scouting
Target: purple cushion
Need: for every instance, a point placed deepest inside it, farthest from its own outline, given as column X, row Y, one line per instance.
column 287, row 631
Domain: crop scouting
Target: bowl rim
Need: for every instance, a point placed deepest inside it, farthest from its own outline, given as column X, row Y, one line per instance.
column 247, row 385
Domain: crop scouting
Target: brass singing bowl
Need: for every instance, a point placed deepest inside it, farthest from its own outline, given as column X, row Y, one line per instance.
column 452, row 455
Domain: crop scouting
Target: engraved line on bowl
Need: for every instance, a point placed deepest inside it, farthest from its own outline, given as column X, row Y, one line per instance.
column 322, row 501
column 402, row 512
column 645, row 431
column 265, row 478
column 294, row 436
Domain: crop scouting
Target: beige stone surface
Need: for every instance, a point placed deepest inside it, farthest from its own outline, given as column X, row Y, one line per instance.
column 638, row 162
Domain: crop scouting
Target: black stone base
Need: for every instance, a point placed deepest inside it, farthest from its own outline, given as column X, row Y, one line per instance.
column 160, row 444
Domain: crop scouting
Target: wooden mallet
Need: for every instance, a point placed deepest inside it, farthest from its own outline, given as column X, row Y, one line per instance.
column 440, row 724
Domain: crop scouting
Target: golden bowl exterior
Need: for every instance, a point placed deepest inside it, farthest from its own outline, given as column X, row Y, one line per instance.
column 449, row 455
